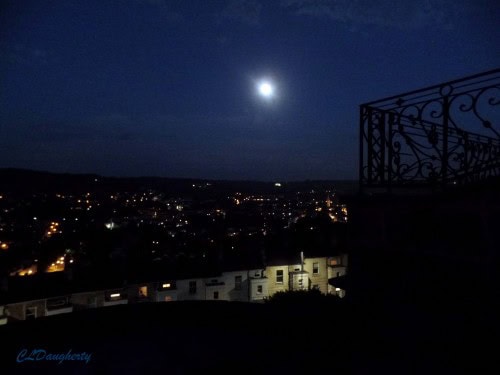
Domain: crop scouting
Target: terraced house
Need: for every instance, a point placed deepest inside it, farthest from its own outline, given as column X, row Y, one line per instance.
column 244, row 285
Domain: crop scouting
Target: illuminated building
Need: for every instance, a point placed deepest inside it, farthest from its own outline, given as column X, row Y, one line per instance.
column 251, row 285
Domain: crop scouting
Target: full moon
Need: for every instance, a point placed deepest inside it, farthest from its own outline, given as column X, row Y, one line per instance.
column 266, row 89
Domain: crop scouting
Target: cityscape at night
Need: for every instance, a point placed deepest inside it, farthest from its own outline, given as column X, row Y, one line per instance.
column 249, row 186
column 131, row 233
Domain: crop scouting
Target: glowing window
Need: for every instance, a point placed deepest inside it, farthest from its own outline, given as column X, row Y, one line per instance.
column 334, row 262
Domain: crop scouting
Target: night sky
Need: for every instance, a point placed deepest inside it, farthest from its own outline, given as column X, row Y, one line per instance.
column 169, row 88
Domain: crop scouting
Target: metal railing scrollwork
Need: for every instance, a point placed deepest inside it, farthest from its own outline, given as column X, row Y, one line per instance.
column 437, row 136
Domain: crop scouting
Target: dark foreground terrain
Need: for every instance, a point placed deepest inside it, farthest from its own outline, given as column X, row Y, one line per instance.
column 286, row 337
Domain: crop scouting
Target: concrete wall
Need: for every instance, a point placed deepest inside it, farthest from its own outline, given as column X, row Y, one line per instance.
column 58, row 305
column 62, row 310
column 87, row 300
column 321, row 277
column 3, row 315
column 214, row 284
column 233, row 294
column 183, row 293
column 18, row 310
column 115, row 302
column 298, row 280
column 166, row 295
column 273, row 286
column 254, row 287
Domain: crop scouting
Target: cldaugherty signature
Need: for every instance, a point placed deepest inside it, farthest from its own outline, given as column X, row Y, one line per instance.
column 25, row 355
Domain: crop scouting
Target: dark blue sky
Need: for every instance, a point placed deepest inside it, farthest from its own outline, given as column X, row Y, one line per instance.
column 167, row 88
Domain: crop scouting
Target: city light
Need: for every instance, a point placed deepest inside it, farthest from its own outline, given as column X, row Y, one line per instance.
column 26, row 271
column 56, row 266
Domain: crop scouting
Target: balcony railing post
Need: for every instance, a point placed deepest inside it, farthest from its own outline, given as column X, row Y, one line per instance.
column 389, row 151
column 369, row 128
column 465, row 167
column 381, row 130
column 446, row 116
column 361, row 146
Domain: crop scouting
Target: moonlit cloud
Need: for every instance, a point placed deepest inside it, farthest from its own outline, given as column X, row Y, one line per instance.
column 245, row 11
column 387, row 13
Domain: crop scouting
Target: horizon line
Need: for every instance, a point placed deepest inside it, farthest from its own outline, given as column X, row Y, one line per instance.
column 177, row 178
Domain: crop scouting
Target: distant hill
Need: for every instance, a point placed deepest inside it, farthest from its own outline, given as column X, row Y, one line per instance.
column 25, row 181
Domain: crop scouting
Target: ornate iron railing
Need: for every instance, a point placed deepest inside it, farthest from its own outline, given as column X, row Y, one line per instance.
column 442, row 135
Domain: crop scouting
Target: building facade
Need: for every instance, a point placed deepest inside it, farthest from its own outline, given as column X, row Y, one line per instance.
column 252, row 285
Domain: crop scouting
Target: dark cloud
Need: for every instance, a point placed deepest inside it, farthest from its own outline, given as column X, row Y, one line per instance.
column 112, row 127
column 244, row 11
column 165, row 10
column 388, row 13
column 20, row 54
column 160, row 3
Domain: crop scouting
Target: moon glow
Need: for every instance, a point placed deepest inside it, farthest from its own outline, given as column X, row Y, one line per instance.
column 266, row 89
